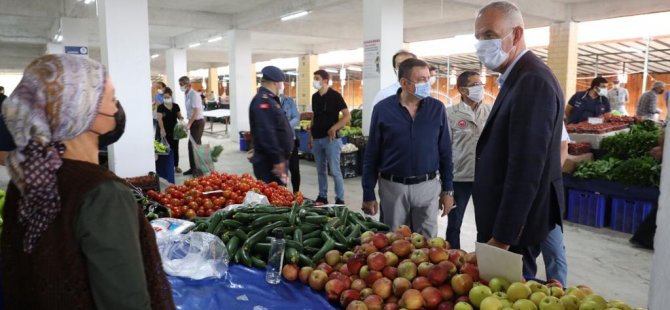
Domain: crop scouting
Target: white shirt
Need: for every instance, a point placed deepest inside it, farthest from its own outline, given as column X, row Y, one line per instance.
column 193, row 101
column 386, row 92
column 564, row 134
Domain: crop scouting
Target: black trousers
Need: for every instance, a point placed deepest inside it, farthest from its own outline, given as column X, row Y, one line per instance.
column 263, row 171
column 197, row 129
column 294, row 167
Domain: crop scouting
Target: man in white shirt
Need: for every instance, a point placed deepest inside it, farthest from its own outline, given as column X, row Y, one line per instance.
column 618, row 97
column 196, row 120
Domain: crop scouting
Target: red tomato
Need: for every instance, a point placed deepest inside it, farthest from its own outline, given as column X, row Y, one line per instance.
column 199, row 188
column 176, row 213
column 190, row 214
column 175, row 202
column 201, row 212
column 164, row 201
column 193, row 205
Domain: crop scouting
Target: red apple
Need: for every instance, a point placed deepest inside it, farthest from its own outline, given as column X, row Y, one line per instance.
column 366, row 292
column 457, row 257
column 400, row 285
column 407, row 270
column 290, row 272
column 382, row 287
column 377, row 261
column 438, row 242
column 391, row 300
column 364, row 272
column 438, row 274
column 367, row 236
column 390, row 306
column 445, row 305
column 357, row 305
column 446, row 291
column 423, row 268
column 325, row 267
column 450, row 267
column 472, row 270
column 374, row 302
column 412, row 299
column 419, row 283
column 348, row 296
column 390, row 272
column 318, row 279
column 404, row 230
column 402, row 248
column 418, row 256
column 438, row 254
column 373, row 276
column 393, row 236
column 461, row 284
column 346, row 256
column 358, row 284
column 367, row 249
column 304, row 274
column 334, row 288
column 471, row 258
column 344, row 269
column 432, row 297
column 379, row 240
column 355, row 263
column 391, row 259
column 462, row 299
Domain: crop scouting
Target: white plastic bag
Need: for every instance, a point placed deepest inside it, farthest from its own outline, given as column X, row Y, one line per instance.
column 253, row 199
column 196, row 255
column 171, row 226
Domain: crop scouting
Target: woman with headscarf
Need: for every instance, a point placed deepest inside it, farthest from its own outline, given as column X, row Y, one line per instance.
column 73, row 236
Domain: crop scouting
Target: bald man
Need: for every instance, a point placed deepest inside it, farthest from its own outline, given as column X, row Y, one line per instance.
column 518, row 187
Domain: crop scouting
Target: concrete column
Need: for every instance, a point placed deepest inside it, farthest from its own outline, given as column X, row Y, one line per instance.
column 241, row 79
column 660, row 269
column 175, row 67
column 562, row 55
column 382, row 21
column 307, row 64
column 124, row 41
column 213, row 83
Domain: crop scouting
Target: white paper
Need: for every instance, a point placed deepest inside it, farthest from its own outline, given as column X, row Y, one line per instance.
column 496, row 262
column 595, row 120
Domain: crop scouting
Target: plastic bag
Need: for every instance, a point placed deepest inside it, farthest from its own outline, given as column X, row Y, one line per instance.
column 203, row 158
column 164, row 141
column 179, row 131
column 171, row 226
column 253, row 199
column 196, row 255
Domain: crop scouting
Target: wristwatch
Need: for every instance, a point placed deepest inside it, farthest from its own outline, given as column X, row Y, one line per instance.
column 448, row 193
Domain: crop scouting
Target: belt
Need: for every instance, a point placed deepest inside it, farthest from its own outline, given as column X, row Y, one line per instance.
column 409, row 180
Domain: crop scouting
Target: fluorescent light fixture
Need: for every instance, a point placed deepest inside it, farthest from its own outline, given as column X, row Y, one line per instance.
column 354, row 68
column 259, row 74
column 194, row 45
column 59, row 38
column 292, row 73
column 214, row 39
column 294, row 15
column 343, row 73
column 154, row 56
column 89, row 1
column 331, row 70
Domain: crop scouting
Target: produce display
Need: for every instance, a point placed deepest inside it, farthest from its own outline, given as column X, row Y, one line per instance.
column 349, row 148
column 613, row 118
column 204, row 195
column 402, row 269
column 159, row 147
column 585, row 127
column 152, row 209
column 357, row 118
column 310, row 232
column 579, row 148
column 216, row 151
column 636, row 143
column 348, row 131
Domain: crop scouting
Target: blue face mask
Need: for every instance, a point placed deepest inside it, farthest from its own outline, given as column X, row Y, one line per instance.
column 422, row 90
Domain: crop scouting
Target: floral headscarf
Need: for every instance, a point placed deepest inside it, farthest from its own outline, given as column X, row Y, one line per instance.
column 56, row 100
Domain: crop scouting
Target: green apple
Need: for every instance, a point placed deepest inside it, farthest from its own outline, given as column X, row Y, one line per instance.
column 498, row 284
column 518, row 290
column 534, row 285
column 590, row 305
column 570, row 302
column 524, row 304
column 544, row 289
column 506, row 303
column 478, row 293
column 596, row 298
column 462, row 305
column 500, row 295
column 618, row 304
column 557, row 292
column 551, row 303
column 576, row 292
column 537, row 297
column 491, row 303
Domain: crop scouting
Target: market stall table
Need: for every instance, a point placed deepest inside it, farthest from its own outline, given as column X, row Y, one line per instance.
column 594, row 139
column 212, row 115
column 245, row 288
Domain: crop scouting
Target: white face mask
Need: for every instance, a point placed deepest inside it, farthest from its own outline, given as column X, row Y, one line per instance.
column 432, row 80
column 476, row 93
column 602, row 91
column 491, row 53
column 316, row 85
column 160, row 91
column 280, row 91
column 183, row 88
column 167, row 100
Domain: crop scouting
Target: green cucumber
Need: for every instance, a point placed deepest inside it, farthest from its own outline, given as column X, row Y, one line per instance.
column 322, row 252
column 297, row 235
column 303, row 261
column 312, row 234
column 291, row 255
column 232, row 245
column 214, row 221
column 232, row 224
column 312, row 242
column 257, row 262
column 317, row 219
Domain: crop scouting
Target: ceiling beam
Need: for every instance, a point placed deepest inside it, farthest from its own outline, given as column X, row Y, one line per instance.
column 189, row 19
column 546, row 9
column 32, row 8
column 595, row 10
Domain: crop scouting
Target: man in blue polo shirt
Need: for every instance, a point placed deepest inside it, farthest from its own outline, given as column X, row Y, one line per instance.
column 590, row 103
column 408, row 149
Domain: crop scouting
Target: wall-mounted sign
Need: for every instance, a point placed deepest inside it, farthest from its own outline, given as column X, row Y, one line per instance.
column 76, row 50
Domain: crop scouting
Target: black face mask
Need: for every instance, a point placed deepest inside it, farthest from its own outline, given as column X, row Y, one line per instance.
column 115, row 134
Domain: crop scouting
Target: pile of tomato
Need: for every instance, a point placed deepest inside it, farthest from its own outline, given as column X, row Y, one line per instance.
column 188, row 200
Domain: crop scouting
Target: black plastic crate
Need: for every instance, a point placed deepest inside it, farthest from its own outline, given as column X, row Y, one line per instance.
column 349, row 172
column 349, row 159
column 359, row 141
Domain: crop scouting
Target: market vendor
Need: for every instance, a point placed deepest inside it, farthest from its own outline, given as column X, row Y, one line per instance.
column 73, row 235
column 592, row 102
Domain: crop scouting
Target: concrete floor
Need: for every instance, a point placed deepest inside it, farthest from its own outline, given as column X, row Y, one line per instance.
column 600, row 258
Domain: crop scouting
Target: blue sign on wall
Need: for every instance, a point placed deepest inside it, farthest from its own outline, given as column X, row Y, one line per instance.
column 76, row 50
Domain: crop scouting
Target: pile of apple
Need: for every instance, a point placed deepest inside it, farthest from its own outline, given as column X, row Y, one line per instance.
column 403, row 270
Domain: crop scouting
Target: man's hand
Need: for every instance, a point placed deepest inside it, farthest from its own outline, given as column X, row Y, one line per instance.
column 498, row 244
column 446, row 204
column 657, row 152
column 279, row 169
column 332, row 133
column 163, row 133
column 370, row 207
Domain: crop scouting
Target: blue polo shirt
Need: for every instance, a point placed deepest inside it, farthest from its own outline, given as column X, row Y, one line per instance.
column 584, row 106
column 401, row 146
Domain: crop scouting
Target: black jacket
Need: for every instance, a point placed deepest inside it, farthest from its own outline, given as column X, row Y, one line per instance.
column 518, row 188
column 271, row 133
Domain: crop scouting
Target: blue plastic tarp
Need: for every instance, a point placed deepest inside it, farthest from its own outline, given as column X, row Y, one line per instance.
column 245, row 288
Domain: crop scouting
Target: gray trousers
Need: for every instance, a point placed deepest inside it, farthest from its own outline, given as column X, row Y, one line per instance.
column 416, row 206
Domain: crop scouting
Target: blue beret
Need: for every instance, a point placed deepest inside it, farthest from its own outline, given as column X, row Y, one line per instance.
column 272, row 73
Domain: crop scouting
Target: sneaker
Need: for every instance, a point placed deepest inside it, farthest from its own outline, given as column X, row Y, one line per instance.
column 339, row 202
column 188, row 172
column 322, row 200
column 177, row 169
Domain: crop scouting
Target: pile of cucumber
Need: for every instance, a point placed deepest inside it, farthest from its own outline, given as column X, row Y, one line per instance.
column 309, row 231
